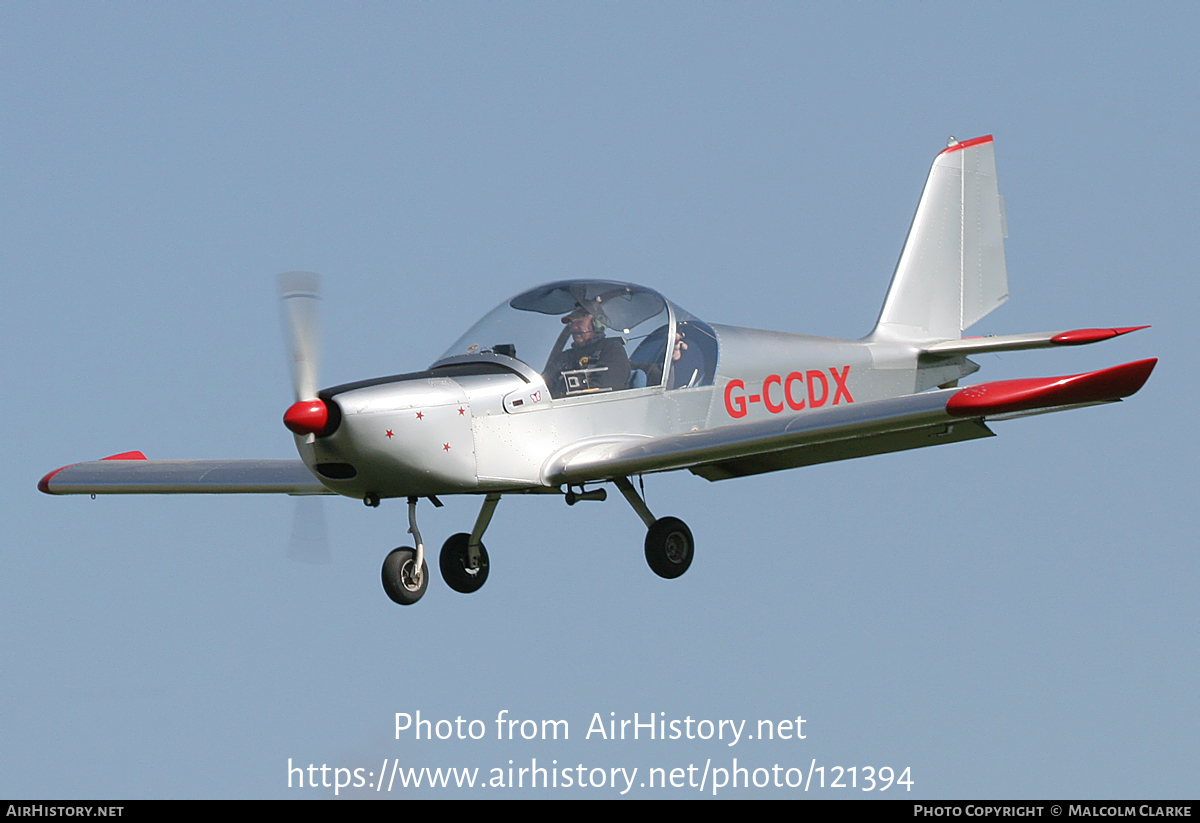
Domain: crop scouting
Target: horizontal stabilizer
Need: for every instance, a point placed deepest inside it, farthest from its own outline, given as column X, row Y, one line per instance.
column 1018, row 342
column 132, row 473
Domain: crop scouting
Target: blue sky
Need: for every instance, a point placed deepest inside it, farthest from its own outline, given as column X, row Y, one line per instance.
column 1012, row 617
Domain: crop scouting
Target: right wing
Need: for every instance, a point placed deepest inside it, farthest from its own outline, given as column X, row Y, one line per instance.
column 841, row 432
column 132, row 473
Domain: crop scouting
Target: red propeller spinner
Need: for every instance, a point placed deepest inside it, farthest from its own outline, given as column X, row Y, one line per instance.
column 307, row 417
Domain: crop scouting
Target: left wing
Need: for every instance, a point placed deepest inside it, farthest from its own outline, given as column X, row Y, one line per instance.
column 841, row 432
column 132, row 473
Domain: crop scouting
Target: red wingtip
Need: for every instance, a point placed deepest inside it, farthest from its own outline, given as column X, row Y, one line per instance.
column 1047, row 392
column 1078, row 337
column 44, row 483
column 306, row 416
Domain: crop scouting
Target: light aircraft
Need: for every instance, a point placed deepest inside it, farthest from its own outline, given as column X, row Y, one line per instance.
column 580, row 383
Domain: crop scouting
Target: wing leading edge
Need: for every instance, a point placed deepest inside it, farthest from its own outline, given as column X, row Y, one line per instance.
column 132, row 473
column 841, row 432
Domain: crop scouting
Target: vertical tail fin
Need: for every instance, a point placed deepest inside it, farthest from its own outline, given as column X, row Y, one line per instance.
column 951, row 272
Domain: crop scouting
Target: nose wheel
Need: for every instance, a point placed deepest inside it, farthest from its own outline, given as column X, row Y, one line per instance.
column 403, row 579
column 405, row 575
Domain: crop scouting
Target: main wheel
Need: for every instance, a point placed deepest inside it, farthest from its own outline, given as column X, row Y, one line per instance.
column 402, row 581
column 455, row 567
column 669, row 547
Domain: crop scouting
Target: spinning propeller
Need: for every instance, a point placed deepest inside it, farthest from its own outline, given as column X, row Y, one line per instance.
column 299, row 293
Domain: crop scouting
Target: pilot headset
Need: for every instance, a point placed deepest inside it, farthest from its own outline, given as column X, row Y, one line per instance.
column 593, row 310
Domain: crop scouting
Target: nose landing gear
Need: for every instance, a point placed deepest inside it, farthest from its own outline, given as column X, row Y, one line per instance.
column 405, row 575
column 403, row 580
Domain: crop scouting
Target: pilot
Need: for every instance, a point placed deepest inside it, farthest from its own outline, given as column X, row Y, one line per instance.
column 593, row 362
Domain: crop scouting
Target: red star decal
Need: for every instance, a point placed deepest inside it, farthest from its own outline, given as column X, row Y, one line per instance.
column 445, row 447
column 460, row 410
column 389, row 434
column 420, row 416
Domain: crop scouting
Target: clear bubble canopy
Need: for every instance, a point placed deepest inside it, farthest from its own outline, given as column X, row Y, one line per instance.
column 539, row 326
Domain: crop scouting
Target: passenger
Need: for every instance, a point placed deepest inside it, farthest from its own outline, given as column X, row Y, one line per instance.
column 593, row 362
column 687, row 364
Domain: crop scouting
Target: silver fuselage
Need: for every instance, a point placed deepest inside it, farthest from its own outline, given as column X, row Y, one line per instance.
column 445, row 431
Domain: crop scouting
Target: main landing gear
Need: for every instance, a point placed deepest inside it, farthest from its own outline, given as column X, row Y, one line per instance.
column 463, row 560
column 669, row 544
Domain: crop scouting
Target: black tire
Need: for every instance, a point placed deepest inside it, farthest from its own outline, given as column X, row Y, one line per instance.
column 398, row 579
column 453, row 562
column 669, row 547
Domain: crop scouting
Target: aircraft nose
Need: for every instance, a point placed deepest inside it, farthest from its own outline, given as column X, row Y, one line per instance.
column 307, row 417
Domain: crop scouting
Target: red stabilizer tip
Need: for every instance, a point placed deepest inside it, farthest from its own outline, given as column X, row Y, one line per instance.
column 306, row 417
column 1080, row 336
column 126, row 456
column 1047, row 392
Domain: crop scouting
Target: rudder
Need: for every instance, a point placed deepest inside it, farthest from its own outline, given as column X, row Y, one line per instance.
column 951, row 272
